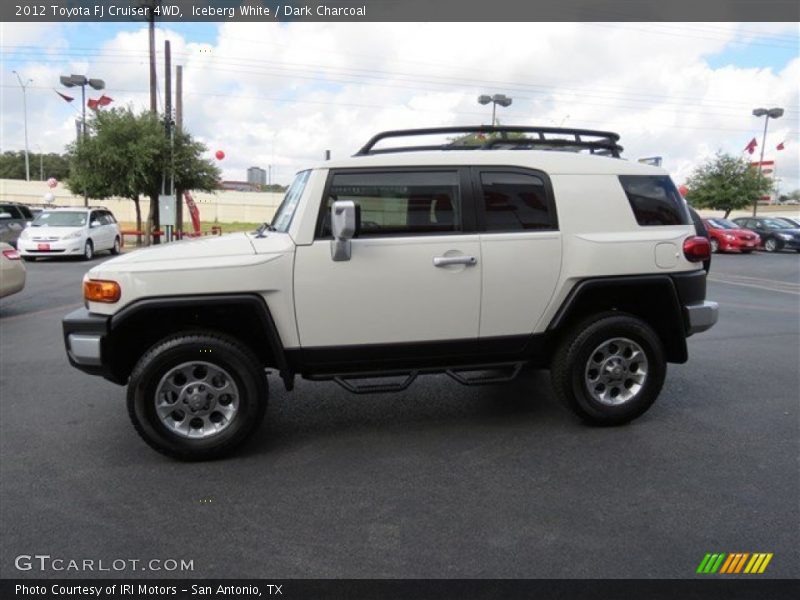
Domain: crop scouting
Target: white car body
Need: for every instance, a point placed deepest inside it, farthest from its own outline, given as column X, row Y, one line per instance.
column 92, row 226
column 510, row 291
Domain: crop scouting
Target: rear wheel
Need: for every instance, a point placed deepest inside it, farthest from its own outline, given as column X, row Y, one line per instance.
column 197, row 396
column 116, row 247
column 609, row 369
column 88, row 250
column 714, row 245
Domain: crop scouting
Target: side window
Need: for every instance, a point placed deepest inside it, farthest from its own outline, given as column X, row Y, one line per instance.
column 26, row 212
column 515, row 202
column 110, row 220
column 654, row 200
column 398, row 203
column 12, row 210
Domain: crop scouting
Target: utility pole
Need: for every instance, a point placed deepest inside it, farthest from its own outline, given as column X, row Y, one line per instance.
column 24, row 87
column 152, row 33
column 179, row 129
column 151, row 18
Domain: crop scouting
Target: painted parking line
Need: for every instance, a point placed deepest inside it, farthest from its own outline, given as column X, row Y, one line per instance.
column 795, row 291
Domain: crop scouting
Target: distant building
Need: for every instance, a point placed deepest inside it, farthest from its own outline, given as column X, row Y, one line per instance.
column 256, row 176
column 239, row 186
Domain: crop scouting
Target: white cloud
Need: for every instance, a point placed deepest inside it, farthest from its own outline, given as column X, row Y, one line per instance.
column 306, row 87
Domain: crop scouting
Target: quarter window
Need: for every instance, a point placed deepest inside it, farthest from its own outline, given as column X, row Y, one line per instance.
column 398, row 203
column 515, row 202
column 654, row 200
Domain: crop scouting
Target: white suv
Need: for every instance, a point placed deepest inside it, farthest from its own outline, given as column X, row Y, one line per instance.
column 531, row 247
column 72, row 231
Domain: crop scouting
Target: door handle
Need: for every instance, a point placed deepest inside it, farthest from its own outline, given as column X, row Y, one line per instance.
column 444, row 261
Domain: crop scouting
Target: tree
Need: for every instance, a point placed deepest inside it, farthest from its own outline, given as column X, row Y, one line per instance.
column 727, row 183
column 12, row 165
column 128, row 154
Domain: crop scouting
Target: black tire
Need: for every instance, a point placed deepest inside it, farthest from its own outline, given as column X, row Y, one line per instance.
column 571, row 364
column 772, row 245
column 714, row 245
column 218, row 350
column 115, row 249
column 88, row 250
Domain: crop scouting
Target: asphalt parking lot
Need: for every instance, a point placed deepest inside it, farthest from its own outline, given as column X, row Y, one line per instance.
column 440, row 481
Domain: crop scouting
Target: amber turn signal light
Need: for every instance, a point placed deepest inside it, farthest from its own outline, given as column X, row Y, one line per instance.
column 96, row 290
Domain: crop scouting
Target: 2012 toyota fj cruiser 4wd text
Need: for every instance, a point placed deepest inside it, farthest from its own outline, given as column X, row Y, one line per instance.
column 496, row 249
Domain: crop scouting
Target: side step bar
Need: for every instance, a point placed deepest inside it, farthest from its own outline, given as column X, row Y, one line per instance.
column 465, row 375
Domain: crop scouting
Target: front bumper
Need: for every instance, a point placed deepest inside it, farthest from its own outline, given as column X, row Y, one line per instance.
column 701, row 317
column 85, row 339
column 738, row 245
column 54, row 248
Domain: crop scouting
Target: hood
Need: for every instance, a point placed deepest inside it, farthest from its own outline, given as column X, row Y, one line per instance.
column 204, row 250
column 203, row 253
column 48, row 231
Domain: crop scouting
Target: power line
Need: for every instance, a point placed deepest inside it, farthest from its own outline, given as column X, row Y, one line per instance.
column 336, row 74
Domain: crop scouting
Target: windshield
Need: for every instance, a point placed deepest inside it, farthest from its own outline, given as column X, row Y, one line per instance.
column 773, row 224
column 722, row 224
column 283, row 217
column 59, row 219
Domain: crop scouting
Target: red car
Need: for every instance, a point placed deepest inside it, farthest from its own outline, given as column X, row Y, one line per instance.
column 727, row 236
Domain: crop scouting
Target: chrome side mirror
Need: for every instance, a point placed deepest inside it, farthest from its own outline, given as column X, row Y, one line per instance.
column 343, row 226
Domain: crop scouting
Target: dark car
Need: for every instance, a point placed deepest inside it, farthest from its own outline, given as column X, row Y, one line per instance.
column 727, row 236
column 14, row 218
column 775, row 234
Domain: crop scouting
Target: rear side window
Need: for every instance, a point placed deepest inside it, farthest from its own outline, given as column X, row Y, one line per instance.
column 12, row 210
column 654, row 200
column 398, row 203
column 515, row 202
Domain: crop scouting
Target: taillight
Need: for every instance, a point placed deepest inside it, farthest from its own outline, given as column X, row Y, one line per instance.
column 11, row 254
column 696, row 248
column 97, row 290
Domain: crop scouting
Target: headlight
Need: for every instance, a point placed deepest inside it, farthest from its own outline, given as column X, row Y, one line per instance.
column 785, row 236
column 730, row 237
column 73, row 235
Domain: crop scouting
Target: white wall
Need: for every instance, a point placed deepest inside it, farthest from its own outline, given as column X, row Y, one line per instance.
column 223, row 207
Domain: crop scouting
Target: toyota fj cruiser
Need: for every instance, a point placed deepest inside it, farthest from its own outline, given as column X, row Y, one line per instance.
column 500, row 248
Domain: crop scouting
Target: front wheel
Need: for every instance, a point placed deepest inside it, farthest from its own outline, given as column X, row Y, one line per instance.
column 771, row 245
column 197, row 396
column 88, row 250
column 714, row 245
column 609, row 369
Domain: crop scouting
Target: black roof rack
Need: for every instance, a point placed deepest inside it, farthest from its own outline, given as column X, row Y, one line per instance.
column 603, row 143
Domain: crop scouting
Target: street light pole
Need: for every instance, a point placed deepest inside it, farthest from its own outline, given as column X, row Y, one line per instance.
column 775, row 113
column 500, row 99
column 82, row 81
column 25, row 119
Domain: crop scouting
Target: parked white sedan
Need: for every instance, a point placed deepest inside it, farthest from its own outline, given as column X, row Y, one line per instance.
column 12, row 271
column 74, row 231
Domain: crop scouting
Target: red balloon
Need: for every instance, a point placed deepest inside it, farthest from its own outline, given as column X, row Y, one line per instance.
column 220, row 155
column 683, row 190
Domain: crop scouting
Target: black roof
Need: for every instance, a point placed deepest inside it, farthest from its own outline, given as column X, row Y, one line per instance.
column 604, row 143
